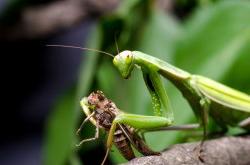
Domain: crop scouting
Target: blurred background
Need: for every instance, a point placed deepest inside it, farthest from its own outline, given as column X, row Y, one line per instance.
column 42, row 85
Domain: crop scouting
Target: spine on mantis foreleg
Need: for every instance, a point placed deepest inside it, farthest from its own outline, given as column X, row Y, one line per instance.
column 158, row 93
column 155, row 98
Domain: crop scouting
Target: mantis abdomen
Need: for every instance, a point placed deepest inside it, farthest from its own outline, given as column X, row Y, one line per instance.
column 227, row 106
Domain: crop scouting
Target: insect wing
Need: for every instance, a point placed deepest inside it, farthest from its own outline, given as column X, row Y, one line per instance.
column 222, row 94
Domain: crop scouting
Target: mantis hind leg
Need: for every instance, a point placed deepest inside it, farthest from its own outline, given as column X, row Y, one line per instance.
column 204, row 116
column 205, row 105
column 245, row 124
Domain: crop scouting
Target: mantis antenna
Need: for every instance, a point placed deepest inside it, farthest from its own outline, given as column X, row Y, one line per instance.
column 81, row 48
column 116, row 45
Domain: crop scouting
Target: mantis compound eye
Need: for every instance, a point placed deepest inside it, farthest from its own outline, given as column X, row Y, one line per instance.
column 124, row 62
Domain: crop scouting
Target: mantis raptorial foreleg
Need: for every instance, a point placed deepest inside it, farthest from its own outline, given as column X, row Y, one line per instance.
column 158, row 94
column 137, row 121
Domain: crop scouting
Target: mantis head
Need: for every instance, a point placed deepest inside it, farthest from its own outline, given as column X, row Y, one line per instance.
column 124, row 61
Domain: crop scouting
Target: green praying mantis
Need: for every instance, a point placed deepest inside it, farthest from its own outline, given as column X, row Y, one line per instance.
column 227, row 106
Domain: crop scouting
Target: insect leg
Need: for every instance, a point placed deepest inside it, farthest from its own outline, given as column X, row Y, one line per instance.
column 175, row 128
column 143, row 136
column 84, row 121
column 105, row 157
column 245, row 123
column 90, row 139
column 204, row 102
column 204, row 106
column 138, row 122
column 158, row 94
column 110, row 140
column 186, row 127
column 204, row 116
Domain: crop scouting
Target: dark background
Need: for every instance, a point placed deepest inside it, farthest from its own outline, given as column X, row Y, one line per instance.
column 34, row 76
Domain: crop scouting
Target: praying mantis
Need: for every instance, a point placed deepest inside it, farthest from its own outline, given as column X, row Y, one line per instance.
column 227, row 106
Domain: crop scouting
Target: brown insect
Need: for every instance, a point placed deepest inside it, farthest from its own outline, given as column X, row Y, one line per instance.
column 101, row 112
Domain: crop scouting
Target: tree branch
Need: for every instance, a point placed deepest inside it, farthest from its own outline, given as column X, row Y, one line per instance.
column 221, row 151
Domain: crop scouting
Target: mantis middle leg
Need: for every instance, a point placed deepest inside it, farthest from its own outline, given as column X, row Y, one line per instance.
column 245, row 123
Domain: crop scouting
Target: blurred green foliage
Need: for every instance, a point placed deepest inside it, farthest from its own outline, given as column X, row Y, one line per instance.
column 214, row 42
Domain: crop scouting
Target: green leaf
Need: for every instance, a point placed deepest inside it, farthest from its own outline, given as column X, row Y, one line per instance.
column 57, row 149
column 209, row 31
column 237, row 76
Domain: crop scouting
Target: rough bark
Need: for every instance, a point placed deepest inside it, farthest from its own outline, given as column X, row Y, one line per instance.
column 221, row 151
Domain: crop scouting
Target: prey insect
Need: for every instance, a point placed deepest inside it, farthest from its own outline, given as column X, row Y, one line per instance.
column 101, row 112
